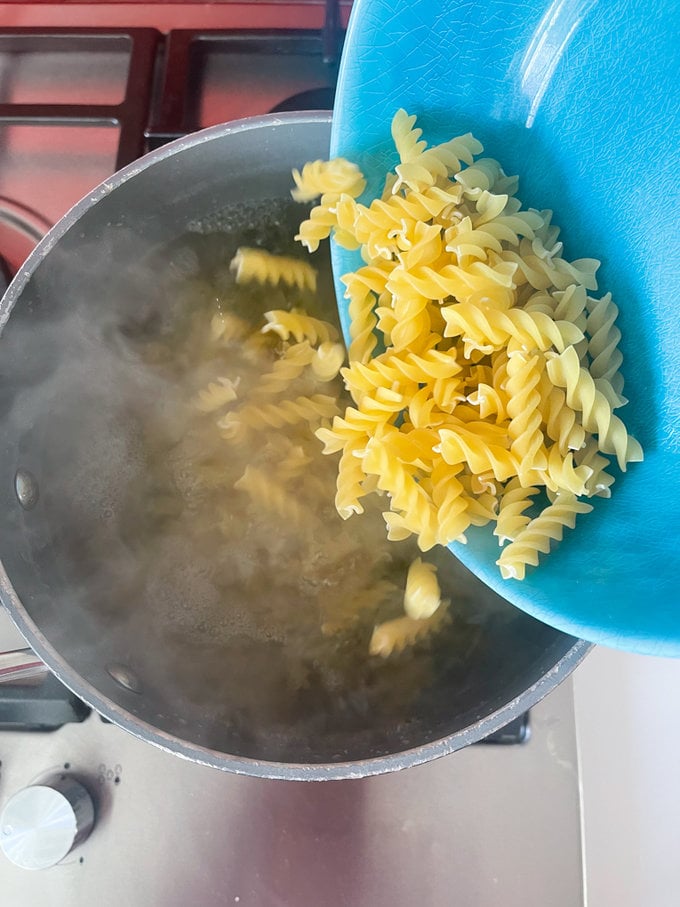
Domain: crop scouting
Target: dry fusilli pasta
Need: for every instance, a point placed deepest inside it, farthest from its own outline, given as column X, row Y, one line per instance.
column 538, row 533
column 481, row 370
column 327, row 177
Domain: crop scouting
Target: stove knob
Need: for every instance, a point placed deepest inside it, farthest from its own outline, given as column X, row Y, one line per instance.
column 41, row 824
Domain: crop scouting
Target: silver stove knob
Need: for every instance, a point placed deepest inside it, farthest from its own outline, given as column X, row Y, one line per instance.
column 41, row 824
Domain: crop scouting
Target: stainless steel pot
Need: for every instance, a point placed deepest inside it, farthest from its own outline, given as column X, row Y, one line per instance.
column 61, row 440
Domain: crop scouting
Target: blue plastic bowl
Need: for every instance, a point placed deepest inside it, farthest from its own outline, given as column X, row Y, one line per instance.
column 582, row 100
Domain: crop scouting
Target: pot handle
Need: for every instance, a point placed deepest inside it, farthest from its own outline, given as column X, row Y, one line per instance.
column 20, row 665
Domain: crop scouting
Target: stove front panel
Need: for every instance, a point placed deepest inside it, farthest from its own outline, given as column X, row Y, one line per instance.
column 489, row 826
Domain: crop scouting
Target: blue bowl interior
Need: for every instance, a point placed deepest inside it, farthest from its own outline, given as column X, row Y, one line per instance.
column 582, row 100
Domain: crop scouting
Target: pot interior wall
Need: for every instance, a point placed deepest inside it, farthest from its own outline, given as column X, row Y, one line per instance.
column 61, row 414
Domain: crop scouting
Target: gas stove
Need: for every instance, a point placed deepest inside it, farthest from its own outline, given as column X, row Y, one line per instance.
column 477, row 827
column 490, row 825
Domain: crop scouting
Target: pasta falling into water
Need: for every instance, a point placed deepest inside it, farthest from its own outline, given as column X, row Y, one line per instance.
column 422, row 596
column 256, row 265
column 266, row 414
column 484, row 375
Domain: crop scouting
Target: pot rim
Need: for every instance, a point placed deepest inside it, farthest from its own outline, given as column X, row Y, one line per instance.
column 122, row 717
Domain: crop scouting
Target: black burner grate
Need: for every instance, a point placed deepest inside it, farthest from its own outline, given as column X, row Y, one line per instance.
column 177, row 105
column 131, row 115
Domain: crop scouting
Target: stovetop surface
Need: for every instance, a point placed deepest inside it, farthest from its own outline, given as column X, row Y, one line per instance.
column 493, row 826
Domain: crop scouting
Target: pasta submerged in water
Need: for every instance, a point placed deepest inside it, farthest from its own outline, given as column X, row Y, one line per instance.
column 264, row 411
column 484, row 376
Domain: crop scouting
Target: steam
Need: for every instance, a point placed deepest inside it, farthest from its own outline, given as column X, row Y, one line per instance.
column 102, row 429
column 73, row 394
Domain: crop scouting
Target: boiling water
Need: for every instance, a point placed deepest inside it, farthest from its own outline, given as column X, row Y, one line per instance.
column 250, row 629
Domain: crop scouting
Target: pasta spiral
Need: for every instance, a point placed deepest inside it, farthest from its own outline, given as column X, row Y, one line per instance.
column 362, row 290
column 448, row 496
column 487, row 329
column 327, row 360
column 543, row 271
column 485, row 174
column 477, row 280
column 423, row 169
column 253, row 416
column 406, row 137
column 582, row 394
column 217, row 395
column 514, row 501
column 318, row 226
column 351, row 476
column 561, row 422
column 259, row 266
column 285, row 370
column 603, row 340
column 300, row 325
column 422, row 596
column 393, row 636
column 413, row 323
column 407, row 495
column 270, row 495
column 525, row 425
column 536, row 536
column 327, row 177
